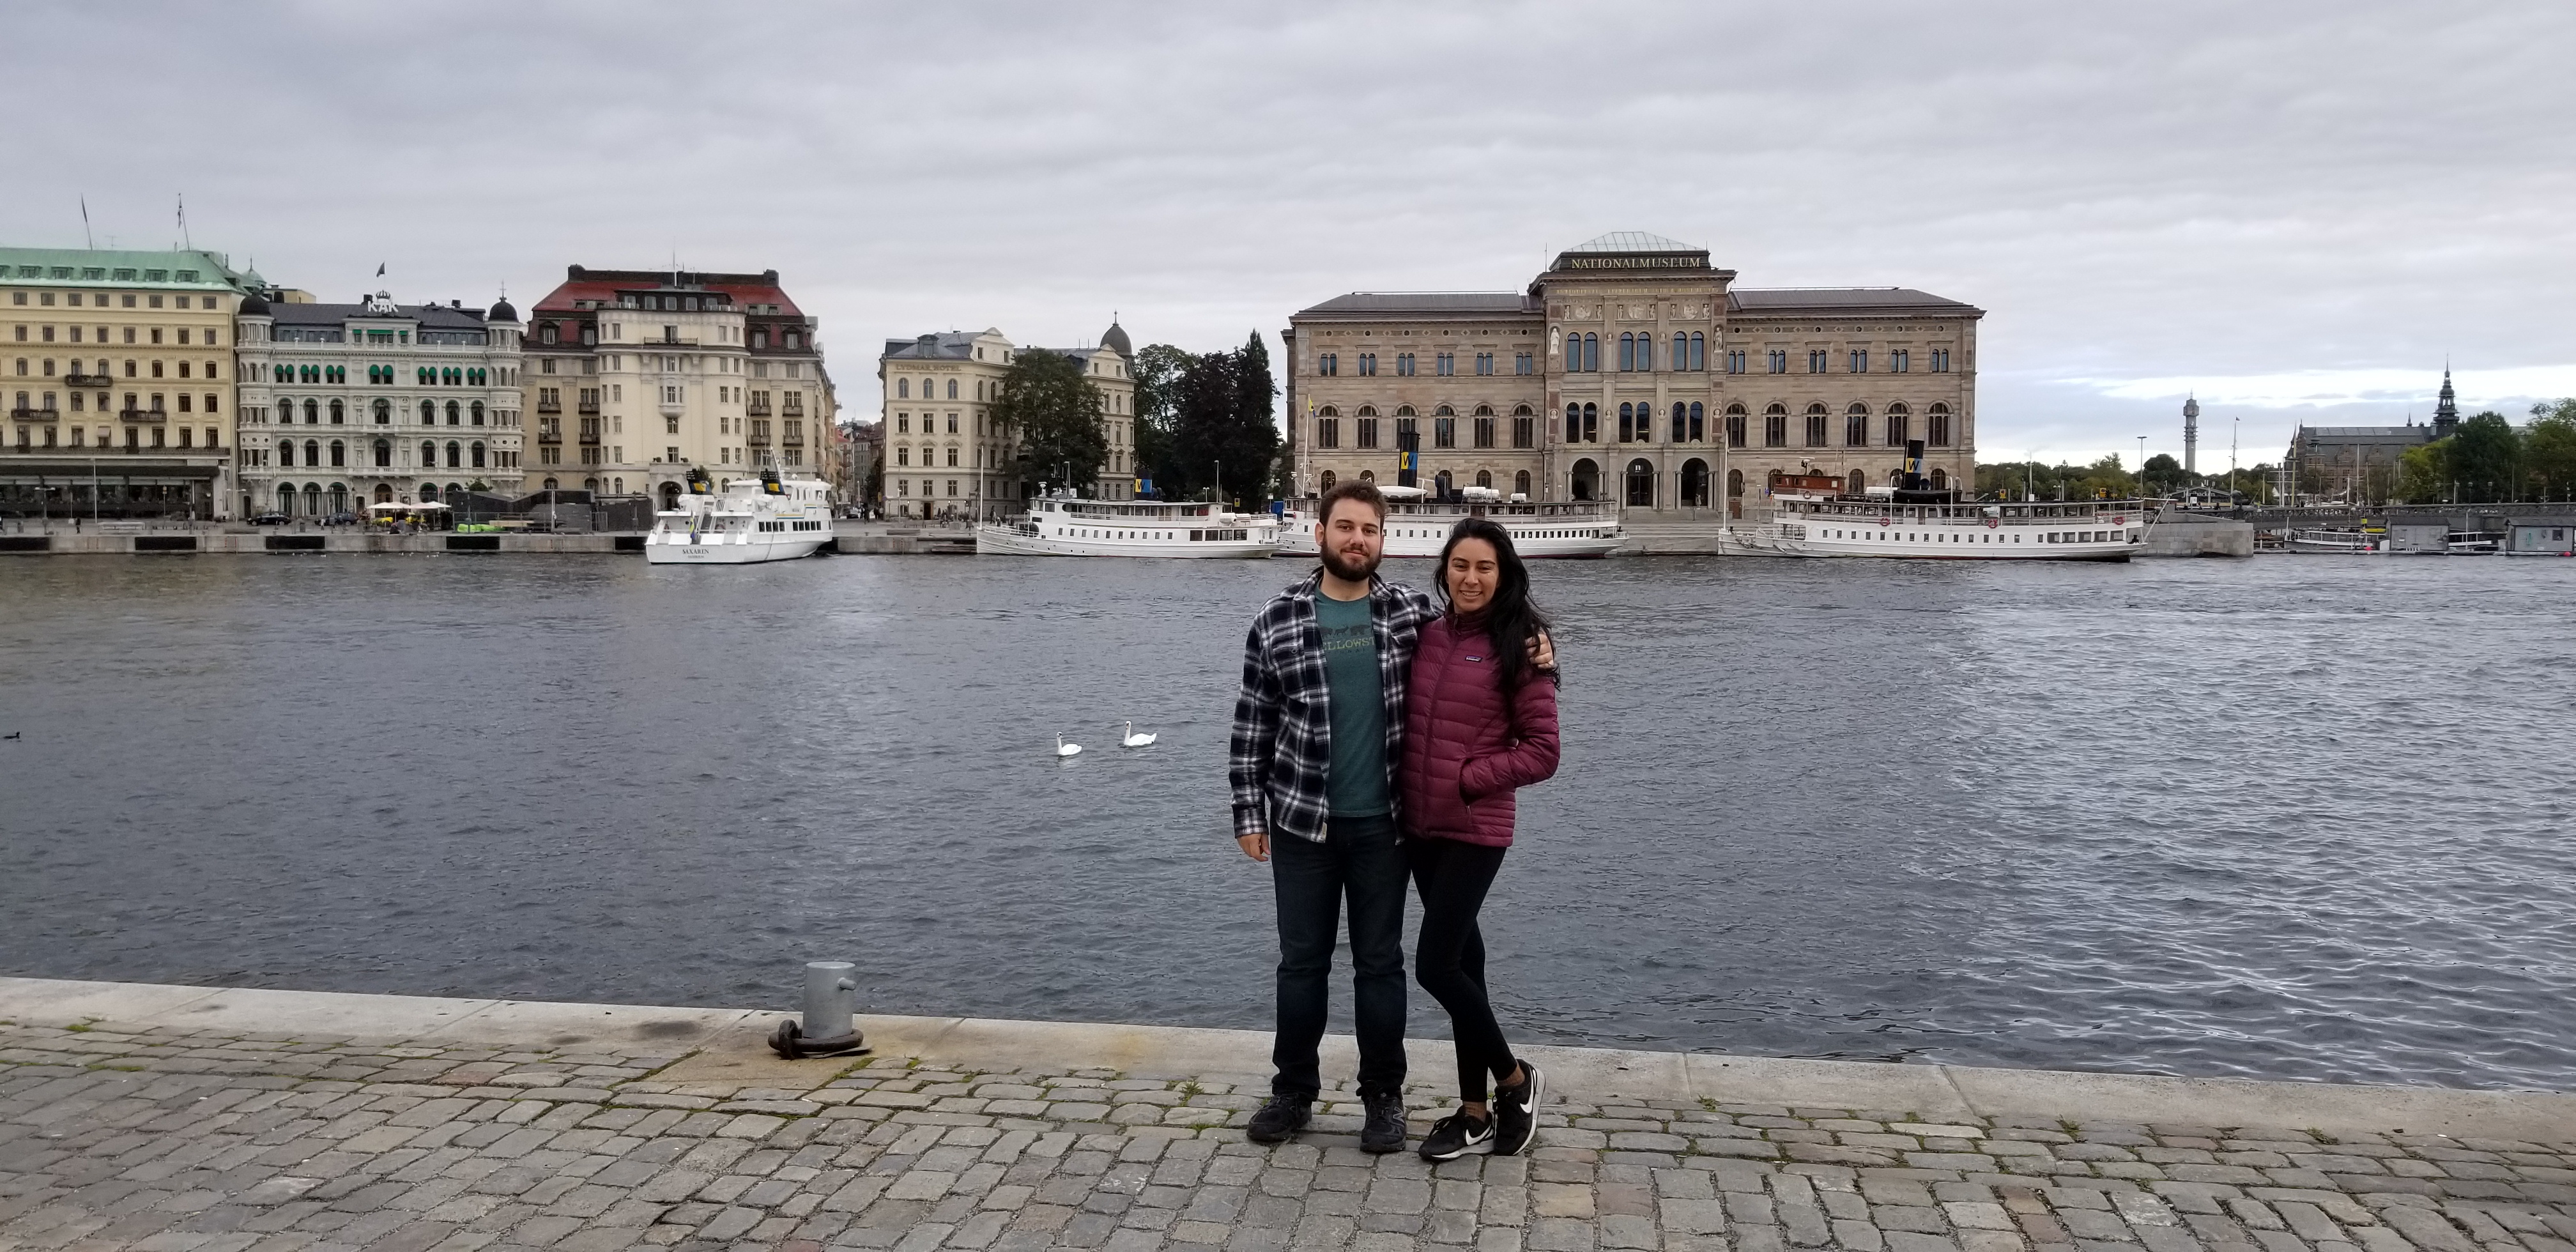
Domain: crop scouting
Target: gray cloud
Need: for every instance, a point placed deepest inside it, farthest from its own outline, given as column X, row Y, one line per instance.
column 2172, row 192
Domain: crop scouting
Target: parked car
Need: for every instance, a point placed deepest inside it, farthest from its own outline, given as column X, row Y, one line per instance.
column 341, row 519
column 269, row 519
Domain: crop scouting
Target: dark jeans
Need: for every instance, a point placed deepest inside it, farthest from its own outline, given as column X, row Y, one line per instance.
column 1449, row 957
column 1361, row 858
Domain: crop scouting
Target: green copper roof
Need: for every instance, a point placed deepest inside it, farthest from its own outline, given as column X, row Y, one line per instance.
column 1631, row 241
column 193, row 269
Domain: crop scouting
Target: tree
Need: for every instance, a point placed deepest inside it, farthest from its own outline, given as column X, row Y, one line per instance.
column 2549, row 449
column 1056, row 412
column 1252, row 438
column 1221, row 423
column 2485, row 458
column 2164, row 474
column 1158, row 375
column 2424, row 473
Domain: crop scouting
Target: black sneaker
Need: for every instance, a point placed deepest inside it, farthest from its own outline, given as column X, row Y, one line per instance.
column 1516, row 1111
column 1283, row 1116
column 1383, row 1131
column 1456, row 1135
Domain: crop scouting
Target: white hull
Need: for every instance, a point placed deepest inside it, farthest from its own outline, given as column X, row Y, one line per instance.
column 678, row 549
column 1564, row 530
column 1917, row 540
column 993, row 540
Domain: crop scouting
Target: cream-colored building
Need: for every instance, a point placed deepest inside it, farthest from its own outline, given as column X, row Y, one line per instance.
column 347, row 405
column 634, row 377
column 1636, row 372
column 119, row 382
column 945, row 454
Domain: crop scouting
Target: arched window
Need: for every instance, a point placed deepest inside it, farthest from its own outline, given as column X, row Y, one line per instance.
column 670, row 497
column 1482, row 410
column 384, row 411
column 1574, row 423
column 312, row 413
column 1936, row 426
column 313, row 453
column 1368, row 410
column 339, row 498
column 1328, row 480
column 902, row 386
column 477, row 413
column 1859, row 484
column 428, row 454
column 455, row 455
column 1627, row 352
column 546, row 333
column 1898, row 429
column 1694, row 484
column 1681, row 422
column 285, row 412
column 1440, row 484
column 339, row 415
column 1520, row 483
column 339, row 454
column 313, row 499
column 1368, row 476
column 477, row 450
column 1641, row 484
column 1592, row 354
column 1735, row 483
column 1591, row 423
column 1698, row 351
column 1626, row 424
column 1735, row 426
column 452, row 412
column 1681, row 351
column 384, row 493
column 286, row 453
column 1698, row 423
column 1856, row 426
column 384, row 453
column 1586, row 480
column 286, row 498
column 1404, row 410
column 1816, row 426
column 1940, row 480
column 952, row 389
column 1775, row 427
column 1485, row 479
column 429, row 413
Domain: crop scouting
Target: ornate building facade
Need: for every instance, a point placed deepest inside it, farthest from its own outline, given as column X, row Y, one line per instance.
column 1633, row 371
column 119, row 381
column 944, row 452
column 347, row 405
column 636, row 376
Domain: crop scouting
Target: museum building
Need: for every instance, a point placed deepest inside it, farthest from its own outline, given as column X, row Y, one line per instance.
column 1633, row 371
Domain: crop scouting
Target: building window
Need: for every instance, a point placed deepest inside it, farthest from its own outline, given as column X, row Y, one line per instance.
column 1936, row 426
column 1445, row 365
column 1591, row 353
column 1328, row 432
column 1404, row 365
column 1444, row 432
column 1735, row 362
column 1627, row 427
column 1329, row 364
column 1900, row 361
column 384, row 453
column 1816, row 360
column 1779, row 359
column 1856, row 426
column 1775, row 427
column 1735, row 426
column 1859, row 362
column 1368, row 365
column 1627, row 352
column 1816, row 426
column 1367, row 432
column 1484, row 431
column 1940, row 360
column 1484, row 363
column 1896, row 426
column 1591, row 423
column 1524, row 363
column 1694, row 484
column 1641, row 484
column 1524, row 428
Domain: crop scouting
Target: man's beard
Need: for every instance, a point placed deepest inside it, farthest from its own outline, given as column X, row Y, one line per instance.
column 1341, row 566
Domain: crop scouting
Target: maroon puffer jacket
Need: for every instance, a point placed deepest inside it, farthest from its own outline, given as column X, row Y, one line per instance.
column 1468, row 745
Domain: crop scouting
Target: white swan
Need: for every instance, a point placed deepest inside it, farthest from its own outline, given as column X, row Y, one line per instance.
column 1066, row 749
column 1134, row 740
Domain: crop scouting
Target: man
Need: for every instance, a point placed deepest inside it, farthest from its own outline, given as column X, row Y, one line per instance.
column 1313, row 762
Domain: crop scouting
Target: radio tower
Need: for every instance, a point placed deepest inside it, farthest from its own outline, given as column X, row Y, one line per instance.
column 2191, row 435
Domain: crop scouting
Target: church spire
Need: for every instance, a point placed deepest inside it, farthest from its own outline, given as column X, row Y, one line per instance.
column 2446, row 414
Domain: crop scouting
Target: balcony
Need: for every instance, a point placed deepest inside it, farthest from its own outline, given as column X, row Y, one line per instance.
column 757, row 441
column 142, row 415
column 666, row 341
column 24, row 414
column 88, row 380
column 550, row 406
column 590, row 438
column 588, row 406
column 755, row 409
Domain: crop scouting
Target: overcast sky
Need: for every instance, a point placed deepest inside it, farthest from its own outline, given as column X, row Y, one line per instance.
column 2300, row 210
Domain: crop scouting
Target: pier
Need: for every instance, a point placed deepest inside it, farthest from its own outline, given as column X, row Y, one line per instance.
column 216, row 1120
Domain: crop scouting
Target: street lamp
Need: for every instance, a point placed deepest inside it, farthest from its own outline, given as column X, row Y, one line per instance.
column 2142, row 467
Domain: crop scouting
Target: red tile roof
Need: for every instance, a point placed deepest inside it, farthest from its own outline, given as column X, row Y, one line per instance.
column 603, row 286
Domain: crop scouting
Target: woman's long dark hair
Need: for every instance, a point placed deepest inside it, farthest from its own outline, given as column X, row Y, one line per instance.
column 1509, row 618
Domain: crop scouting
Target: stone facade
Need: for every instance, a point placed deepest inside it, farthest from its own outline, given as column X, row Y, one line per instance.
column 347, row 405
column 1633, row 371
column 946, row 455
column 2361, row 464
column 636, row 376
column 119, row 382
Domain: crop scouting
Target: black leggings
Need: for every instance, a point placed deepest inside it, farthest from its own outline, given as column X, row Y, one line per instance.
column 1449, row 957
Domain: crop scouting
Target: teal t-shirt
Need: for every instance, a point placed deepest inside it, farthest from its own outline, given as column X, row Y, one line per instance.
column 1356, row 784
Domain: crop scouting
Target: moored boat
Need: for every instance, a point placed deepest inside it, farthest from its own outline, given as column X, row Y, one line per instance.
column 752, row 520
column 1418, row 525
column 1814, row 517
column 1058, row 524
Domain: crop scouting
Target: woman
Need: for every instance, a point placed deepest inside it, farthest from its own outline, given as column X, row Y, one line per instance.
column 1479, row 722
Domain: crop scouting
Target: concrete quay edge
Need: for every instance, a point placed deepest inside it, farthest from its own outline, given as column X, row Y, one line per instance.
column 1930, row 1092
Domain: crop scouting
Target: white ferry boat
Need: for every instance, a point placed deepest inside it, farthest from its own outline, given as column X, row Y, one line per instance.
column 1057, row 524
column 768, row 518
column 1419, row 526
column 1815, row 519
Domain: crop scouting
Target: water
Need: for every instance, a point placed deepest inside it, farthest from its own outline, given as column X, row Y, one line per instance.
column 2286, row 818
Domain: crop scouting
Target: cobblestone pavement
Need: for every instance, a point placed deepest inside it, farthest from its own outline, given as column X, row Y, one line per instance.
column 114, row 1137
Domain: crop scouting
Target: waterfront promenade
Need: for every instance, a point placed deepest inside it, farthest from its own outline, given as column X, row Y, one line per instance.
column 188, row 1119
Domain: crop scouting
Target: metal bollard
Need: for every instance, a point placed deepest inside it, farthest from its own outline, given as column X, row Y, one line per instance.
column 831, row 1000
column 830, row 1025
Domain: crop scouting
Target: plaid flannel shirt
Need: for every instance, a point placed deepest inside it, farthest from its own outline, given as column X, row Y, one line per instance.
column 1283, row 720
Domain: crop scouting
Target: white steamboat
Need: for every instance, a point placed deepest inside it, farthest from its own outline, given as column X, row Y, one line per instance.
column 1813, row 518
column 1418, row 525
column 1059, row 525
column 768, row 518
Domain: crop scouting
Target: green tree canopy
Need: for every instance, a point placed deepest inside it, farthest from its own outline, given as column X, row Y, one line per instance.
column 1158, row 376
column 1219, row 420
column 2549, row 449
column 2484, row 458
column 1057, row 414
column 2424, row 473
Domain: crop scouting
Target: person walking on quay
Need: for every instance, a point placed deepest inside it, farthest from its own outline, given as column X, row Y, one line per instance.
column 1316, row 732
column 1479, row 723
